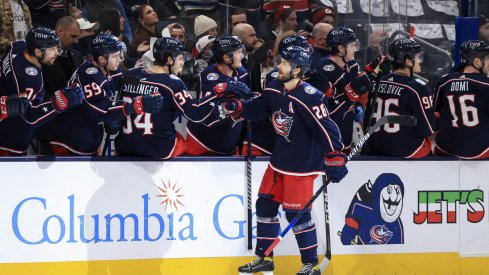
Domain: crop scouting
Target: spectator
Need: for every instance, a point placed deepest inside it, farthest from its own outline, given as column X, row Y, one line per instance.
column 204, row 25
column 237, row 17
column 93, row 8
column 13, row 30
column 177, row 31
column 247, row 35
column 56, row 76
column 323, row 15
column 87, row 31
column 147, row 20
column 321, row 49
column 484, row 28
column 45, row 13
column 204, row 53
column 285, row 19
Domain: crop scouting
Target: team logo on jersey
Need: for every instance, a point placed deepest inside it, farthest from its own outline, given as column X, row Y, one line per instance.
column 212, row 76
column 91, row 70
column 310, row 90
column 172, row 76
column 282, row 124
column 274, row 74
column 328, row 68
column 31, row 71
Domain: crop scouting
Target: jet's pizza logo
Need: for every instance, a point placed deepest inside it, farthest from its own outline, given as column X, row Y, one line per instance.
column 431, row 206
column 171, row 195
column 374, row 213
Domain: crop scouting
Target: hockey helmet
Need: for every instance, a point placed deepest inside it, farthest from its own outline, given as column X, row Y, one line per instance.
column 294, row 40
column 341, row 36
column 471, row 49
column 105, row 44
column 226, row 44
column 41, row 38
column 165, row 45
column 401, row 48
column 297, row 56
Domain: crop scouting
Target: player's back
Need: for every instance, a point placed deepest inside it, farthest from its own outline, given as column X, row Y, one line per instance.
column 150, row 134
column 401, row 95
column 463, row 102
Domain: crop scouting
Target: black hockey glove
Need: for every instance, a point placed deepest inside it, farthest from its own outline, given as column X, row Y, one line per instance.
column 13, row 105
column 151, row 103
column 233, row 89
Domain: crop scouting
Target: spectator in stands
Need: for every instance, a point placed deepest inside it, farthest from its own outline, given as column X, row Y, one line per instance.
column 13, row 30
column 237, row 17
column 484, row 28
column 177, row 31
column 204, row 25
column 323, row 15
column 204, row 53
column 45, row 13
column 57, row 75
column 87, row 31
column 147, row 20
column 321, row 49
column 164, row 8
column 285, row 19
column 93, row 8
column 247, row 35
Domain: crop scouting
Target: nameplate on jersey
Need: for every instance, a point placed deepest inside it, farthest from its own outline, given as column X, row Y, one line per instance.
column 459, row 86
column 141, row 89
column 390, row 89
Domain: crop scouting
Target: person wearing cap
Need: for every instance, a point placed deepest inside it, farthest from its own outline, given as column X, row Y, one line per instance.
column 285, row 19
column 204, row 25
column 323, row 15
column 11, row 30
column 177, row 31
column 87, row 28
column 204, row 53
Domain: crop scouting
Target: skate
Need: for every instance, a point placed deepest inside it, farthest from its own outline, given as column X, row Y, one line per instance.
column 264, row 265
column 309, row 269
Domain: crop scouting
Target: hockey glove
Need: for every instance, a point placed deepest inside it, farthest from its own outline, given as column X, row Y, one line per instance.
column 67, row 98
column 144, row 104
column 230, row 108
column 112, row 128
column 233, row 89
column 335, row 166
column 358, row 110
column 374, row 66
column 13, row 105
column 357, row 87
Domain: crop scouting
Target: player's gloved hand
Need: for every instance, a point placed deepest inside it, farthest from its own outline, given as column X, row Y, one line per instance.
column 335, row 166
column 374, row 65
column 151, row 103
column 358, row 111
column 112, row 128
column 233, row 89
column 230, row 107
column 67, row 98
column 358, row 86
column 13, row 105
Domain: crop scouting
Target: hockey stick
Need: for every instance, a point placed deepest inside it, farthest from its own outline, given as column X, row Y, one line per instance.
column 129, row 80
column 248, row 185
column 403, row 120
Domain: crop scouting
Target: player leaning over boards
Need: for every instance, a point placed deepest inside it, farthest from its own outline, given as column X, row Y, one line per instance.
column 462, row 99
column 80, row 132
column 306, row 140
column 154, row 135
column 21, row 76
column 400, row 93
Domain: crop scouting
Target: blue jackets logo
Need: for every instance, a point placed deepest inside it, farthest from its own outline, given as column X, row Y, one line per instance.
column 282, row 124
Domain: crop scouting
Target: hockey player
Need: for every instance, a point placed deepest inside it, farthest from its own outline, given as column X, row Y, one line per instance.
column 80, row 132
column 306, row 140
column 21, row 76
column 462, row 101
column 339, row 79
column 154, row 135
column 220, row 138
column 399, row 93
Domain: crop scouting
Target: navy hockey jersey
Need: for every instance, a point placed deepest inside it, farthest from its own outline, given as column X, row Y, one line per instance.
column 154, row 135
column 304, row 133
column 19, row 76
column 339, row 104
column 401, row 95
column 81, row 129
column 462, row 100
column 224, row 136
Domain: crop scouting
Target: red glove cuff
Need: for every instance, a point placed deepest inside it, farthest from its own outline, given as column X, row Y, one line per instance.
column 137, row 104
column 3, row 107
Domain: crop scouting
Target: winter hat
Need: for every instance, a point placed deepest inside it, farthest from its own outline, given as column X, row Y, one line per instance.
column 202, row 24
column 319, row 13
